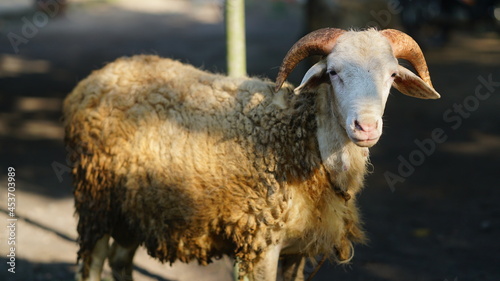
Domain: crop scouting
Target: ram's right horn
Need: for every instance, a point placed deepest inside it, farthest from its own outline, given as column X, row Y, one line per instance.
column 319, row 42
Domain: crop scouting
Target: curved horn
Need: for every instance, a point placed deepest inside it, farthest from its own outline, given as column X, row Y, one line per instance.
column 319, row 42
column 404, row 47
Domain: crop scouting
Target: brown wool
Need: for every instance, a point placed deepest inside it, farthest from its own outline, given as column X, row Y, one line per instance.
column 194, row 165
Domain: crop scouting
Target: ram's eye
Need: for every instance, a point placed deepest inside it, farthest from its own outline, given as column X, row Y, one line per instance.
column 393, row 75
column 332, row 72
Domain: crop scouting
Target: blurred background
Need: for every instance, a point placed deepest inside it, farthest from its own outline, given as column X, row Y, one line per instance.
column 430, row 214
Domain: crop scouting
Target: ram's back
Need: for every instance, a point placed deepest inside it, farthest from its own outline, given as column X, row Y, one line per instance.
column 156, row 112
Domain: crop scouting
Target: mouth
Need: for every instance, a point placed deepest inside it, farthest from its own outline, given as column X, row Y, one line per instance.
column 365, row 142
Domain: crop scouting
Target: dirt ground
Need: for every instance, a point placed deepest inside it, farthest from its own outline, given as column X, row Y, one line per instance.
column 439, row 219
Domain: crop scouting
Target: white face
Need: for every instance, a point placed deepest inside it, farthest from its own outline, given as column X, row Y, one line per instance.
column 361, row 69
column 360, row 91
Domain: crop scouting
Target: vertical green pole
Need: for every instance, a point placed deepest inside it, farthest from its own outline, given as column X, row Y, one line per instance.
column 236, row 57
column 235, row 38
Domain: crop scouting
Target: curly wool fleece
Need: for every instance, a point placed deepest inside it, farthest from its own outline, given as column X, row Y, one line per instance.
column 194, row 165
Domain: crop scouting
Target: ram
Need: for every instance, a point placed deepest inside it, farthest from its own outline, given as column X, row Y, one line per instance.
column 194, row 165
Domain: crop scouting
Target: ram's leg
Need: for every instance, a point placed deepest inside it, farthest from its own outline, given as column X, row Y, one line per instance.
column 91, row 267
column 267, row 268
column 120, row 261
column 236, row 271
column 293, row 267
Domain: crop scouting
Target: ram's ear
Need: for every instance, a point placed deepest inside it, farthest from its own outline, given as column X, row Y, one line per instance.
column 313, row 77
column 411, row 85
